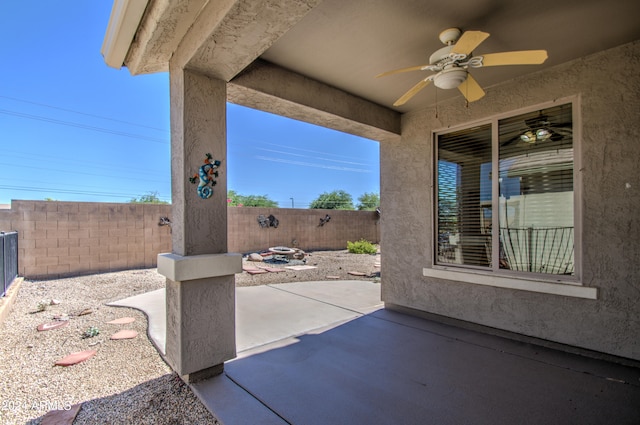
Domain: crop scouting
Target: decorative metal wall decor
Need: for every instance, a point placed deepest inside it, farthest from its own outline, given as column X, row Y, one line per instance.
column 263, row 222
column 324, row 220
column 206, row 176
column 270, row 221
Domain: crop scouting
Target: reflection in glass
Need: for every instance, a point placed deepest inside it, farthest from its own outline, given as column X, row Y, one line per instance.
column 536, row 192
column 535, row 199
column 464, row 197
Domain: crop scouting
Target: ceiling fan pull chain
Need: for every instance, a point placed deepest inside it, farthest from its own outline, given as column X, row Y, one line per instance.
column 466, row 96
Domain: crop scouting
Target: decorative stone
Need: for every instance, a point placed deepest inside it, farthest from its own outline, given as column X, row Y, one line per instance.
column 299, row 268
column 51, row 326
column 122, row 321
column 255, row 257
column 254, row 271
column 75, row 358
column 124, row 334
column 61, row 417
column 274, row 270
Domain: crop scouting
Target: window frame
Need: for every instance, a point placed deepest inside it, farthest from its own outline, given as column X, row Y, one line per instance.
column 567, row 285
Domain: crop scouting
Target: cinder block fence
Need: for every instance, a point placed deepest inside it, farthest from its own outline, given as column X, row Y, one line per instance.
column 59, row 239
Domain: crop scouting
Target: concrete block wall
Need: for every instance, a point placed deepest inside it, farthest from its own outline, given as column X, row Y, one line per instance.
column 60, row 239
column 299, row 228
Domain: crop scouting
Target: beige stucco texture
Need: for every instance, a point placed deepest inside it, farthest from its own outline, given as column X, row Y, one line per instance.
column 261, row 54
column 608, row 97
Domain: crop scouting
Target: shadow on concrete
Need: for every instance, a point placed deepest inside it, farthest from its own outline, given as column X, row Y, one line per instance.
column 390, row 368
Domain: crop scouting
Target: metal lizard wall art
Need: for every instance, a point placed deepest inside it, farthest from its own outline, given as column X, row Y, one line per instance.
column 206, row 177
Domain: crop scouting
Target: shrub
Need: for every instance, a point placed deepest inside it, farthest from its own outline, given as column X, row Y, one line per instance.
column 361, row 247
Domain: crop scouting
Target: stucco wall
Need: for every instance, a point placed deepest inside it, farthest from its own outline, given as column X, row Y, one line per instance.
column 57, row 239
column 608, row 86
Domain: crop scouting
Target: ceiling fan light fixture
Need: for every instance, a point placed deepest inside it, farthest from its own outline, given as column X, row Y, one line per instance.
column 450, row 78
column 542, row 134
column 528, row 137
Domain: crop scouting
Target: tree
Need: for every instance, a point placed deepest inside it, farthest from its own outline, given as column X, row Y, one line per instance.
column 336, row 200
column 236, row 200
column 150, row 198
column 368, row 201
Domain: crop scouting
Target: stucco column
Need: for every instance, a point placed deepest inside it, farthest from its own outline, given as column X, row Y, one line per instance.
column 200, row 288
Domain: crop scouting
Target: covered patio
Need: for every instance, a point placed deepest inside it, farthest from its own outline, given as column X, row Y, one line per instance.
column 316, row 61
column 327, row 352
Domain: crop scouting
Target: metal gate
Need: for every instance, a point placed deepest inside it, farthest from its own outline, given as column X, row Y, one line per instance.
column 8, row 260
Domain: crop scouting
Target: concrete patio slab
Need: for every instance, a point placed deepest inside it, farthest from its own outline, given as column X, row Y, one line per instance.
column 154, row 306
column 377, row 370
column 232, row 404
column 324, row 352
column 355, row 295
column 269, row 313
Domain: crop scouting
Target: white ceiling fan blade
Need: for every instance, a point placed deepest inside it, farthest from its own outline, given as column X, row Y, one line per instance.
column 470, row 89
column 397, row 71
column 469, row 41
column 413, row 91
column 523, row 57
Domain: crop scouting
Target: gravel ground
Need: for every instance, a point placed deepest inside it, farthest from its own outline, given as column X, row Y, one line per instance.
column 329, row 264
column 126, row 382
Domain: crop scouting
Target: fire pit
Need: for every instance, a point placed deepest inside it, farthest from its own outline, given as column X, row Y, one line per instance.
column 282, row 253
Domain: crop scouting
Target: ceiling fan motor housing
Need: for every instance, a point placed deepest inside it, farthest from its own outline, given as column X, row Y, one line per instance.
column 440, row 55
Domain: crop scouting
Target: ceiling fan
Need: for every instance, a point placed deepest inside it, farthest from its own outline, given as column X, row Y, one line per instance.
column 451, row 62
column 540, row 129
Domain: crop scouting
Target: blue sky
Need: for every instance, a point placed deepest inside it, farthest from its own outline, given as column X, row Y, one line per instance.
column 73, row 129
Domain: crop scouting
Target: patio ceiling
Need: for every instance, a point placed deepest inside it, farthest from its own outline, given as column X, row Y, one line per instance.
column 344, row 44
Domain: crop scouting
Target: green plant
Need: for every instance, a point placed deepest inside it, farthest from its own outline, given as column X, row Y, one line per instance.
column 91, row 332
column 368, row 202
column 362, row 246
column 336, row 200
column 236, row 200
column 42, row 305
column 150, row 198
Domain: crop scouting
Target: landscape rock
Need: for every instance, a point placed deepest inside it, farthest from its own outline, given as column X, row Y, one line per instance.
column 51, row 326
column 255, row 257
column 122, row 321
column 75, row 358
column 124, row 334
column 61, row 417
